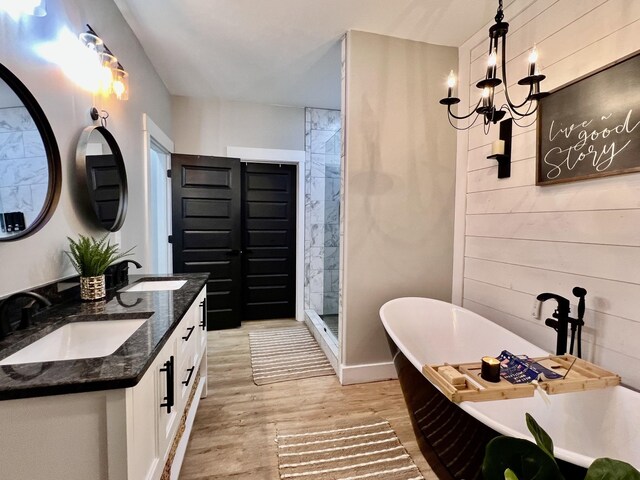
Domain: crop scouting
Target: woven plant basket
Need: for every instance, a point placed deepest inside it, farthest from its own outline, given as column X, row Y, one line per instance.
column 92, row 288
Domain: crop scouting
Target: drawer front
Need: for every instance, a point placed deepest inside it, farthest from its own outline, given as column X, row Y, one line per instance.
column 187, row 375
column 201, row 322
column 188, row 331
column 167, row 402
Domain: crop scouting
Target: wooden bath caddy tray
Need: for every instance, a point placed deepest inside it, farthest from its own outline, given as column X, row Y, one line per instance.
column 582, row 376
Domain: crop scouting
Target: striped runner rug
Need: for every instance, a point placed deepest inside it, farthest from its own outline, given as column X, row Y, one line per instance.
column 364, row 450
column 282, row 354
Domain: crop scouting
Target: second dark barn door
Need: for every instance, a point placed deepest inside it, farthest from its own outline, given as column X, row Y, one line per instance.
column 269, row 241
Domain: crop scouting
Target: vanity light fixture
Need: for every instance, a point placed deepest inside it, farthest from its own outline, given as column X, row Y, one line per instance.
column 17, row 8
column 102, row 115
column 108, row 63
column 92, row 41
column 112, row 77
column 486, row 106
column 120, row 84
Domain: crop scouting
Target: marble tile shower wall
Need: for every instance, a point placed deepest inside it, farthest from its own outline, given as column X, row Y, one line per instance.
column 23, row 164
column 332, row 225
column 322, row 182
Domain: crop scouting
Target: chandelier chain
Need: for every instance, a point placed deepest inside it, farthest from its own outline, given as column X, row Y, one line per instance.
column 499, row 14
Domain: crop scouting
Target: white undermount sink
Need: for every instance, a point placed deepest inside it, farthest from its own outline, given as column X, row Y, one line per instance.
column 154, row 285
column 77, row 340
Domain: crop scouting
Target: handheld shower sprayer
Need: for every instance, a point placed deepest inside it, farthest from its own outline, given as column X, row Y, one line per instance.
column 577, row 324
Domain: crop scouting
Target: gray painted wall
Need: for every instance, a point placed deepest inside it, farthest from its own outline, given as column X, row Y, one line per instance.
column 38, row 259
column 209, row 126
column 399, row 185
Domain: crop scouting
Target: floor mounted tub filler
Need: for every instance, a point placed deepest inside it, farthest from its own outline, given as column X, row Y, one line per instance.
column 584, row 425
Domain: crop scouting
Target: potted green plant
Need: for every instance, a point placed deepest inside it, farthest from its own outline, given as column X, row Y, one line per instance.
column 508, row 458
column 90, row 258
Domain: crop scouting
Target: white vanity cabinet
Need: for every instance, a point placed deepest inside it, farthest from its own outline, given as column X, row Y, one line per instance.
column 121, row 434
column 175, row 373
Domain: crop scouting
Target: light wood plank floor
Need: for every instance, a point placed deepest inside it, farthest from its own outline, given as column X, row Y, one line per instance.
column 235, row 427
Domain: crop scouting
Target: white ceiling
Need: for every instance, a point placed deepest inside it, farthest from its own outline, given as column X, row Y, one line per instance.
column 282, row 52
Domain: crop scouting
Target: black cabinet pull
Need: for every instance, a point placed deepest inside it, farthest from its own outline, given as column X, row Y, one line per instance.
column 203, row 318
column 190, row 330
column 169, row 400
column 190, row 370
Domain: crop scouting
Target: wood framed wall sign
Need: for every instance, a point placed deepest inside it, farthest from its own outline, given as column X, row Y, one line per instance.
column 591, row 127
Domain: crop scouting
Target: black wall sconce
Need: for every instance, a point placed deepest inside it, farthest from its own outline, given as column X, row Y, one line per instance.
column 501, row 149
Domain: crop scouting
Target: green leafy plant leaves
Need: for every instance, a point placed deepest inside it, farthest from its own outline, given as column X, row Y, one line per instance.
column 609, row 469
column 542, row 438
column 508, row 458
column 509, row 475
column 91, row 257
column 525, row 460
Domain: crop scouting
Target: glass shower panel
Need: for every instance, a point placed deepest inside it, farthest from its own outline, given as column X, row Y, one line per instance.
column 331, row 234
column 322, row 214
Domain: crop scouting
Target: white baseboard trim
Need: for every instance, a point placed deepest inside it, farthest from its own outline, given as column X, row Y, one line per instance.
column 372, row 372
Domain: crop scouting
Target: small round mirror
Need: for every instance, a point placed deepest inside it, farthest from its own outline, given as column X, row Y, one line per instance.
column 29, row 161
column 102, row 175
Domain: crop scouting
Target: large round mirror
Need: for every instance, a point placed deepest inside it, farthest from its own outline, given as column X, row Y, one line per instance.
column 101, row 172
column 29, row 161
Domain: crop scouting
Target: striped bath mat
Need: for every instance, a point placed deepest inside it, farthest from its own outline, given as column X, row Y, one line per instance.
column 363, row 450
column 282, row 354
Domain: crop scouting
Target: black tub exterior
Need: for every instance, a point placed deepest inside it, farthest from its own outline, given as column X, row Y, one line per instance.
column 451, row 440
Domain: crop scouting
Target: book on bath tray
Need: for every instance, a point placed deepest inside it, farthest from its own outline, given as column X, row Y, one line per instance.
column 522, row 369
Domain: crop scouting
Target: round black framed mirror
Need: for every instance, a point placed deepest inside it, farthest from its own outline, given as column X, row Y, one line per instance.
column 30, row 171
column 102, row 176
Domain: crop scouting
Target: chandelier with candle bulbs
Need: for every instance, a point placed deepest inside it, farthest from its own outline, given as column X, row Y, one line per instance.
column 485, row 107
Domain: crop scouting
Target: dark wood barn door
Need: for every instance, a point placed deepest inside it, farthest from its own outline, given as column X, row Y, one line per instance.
column 237, row 223
column 269, row 241
column 206, row 232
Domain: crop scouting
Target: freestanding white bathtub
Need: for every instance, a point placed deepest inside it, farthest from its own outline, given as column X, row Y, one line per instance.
column 583, row 425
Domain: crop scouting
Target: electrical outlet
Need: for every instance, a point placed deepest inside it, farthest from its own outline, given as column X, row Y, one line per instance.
column 535, row 309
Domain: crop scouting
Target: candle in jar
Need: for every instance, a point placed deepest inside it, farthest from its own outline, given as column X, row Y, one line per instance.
column 490, row 370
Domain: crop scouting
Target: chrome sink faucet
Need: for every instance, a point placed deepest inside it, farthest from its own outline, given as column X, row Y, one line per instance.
column 561, row 320
column 5, row 328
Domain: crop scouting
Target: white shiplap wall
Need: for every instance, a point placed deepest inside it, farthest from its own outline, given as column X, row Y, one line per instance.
column 515, row 240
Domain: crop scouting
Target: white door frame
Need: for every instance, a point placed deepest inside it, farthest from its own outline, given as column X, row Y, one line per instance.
column 154, row 134
column 290, row 157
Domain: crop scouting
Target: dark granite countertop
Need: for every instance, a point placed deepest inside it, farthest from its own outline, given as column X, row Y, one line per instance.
column 122, row 369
